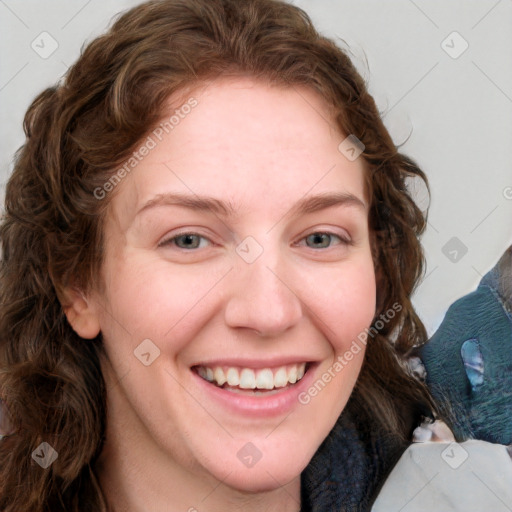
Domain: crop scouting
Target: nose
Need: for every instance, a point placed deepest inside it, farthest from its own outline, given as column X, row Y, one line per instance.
column 262, row 298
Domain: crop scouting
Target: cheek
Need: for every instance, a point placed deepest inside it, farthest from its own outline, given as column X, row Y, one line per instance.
column 343, row 300
column 148, row 298
column 359, row 298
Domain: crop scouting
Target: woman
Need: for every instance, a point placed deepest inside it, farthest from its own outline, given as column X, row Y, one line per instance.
column 208, row 258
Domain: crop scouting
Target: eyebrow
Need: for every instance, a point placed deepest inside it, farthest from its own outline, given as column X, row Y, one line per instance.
column 306, row 205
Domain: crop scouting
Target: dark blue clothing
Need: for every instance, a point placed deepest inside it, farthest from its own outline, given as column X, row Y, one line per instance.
column 349, row 469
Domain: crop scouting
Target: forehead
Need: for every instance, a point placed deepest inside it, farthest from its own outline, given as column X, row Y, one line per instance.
column 245, row 141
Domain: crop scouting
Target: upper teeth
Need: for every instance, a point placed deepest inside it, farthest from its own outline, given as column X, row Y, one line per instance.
column 247, row 378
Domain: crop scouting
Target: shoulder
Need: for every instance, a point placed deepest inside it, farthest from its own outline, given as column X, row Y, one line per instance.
column 468, row 477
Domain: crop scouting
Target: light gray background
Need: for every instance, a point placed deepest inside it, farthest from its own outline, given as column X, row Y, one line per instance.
column 454, row 114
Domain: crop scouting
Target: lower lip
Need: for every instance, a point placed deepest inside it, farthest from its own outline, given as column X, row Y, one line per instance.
column 260, row 406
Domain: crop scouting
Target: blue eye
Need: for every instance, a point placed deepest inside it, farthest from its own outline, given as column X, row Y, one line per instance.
column 185, row 241
column 322, row 240
column 317, row 240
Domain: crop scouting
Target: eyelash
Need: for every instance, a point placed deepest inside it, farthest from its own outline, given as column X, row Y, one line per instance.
column 344, row 240
column 171, row 241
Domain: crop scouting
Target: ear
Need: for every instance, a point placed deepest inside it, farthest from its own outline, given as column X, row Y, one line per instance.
column 81, row 314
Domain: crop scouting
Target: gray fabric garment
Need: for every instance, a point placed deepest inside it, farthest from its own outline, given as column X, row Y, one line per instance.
column 474, row 476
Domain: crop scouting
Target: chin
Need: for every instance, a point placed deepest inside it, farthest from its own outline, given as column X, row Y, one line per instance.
column 281, row 462
column 261, row 480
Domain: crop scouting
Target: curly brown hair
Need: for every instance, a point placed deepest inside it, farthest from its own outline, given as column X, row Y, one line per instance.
column 78, row 133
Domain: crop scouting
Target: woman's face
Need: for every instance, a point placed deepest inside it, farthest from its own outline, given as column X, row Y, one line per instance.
column 236, row 249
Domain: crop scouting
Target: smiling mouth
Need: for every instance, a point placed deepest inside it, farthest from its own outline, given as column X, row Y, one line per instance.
column 259, row 380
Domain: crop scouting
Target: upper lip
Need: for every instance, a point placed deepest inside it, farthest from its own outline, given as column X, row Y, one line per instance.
column 255, row 363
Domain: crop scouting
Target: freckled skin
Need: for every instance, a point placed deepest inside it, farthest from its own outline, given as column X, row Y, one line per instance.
column 263, row 149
